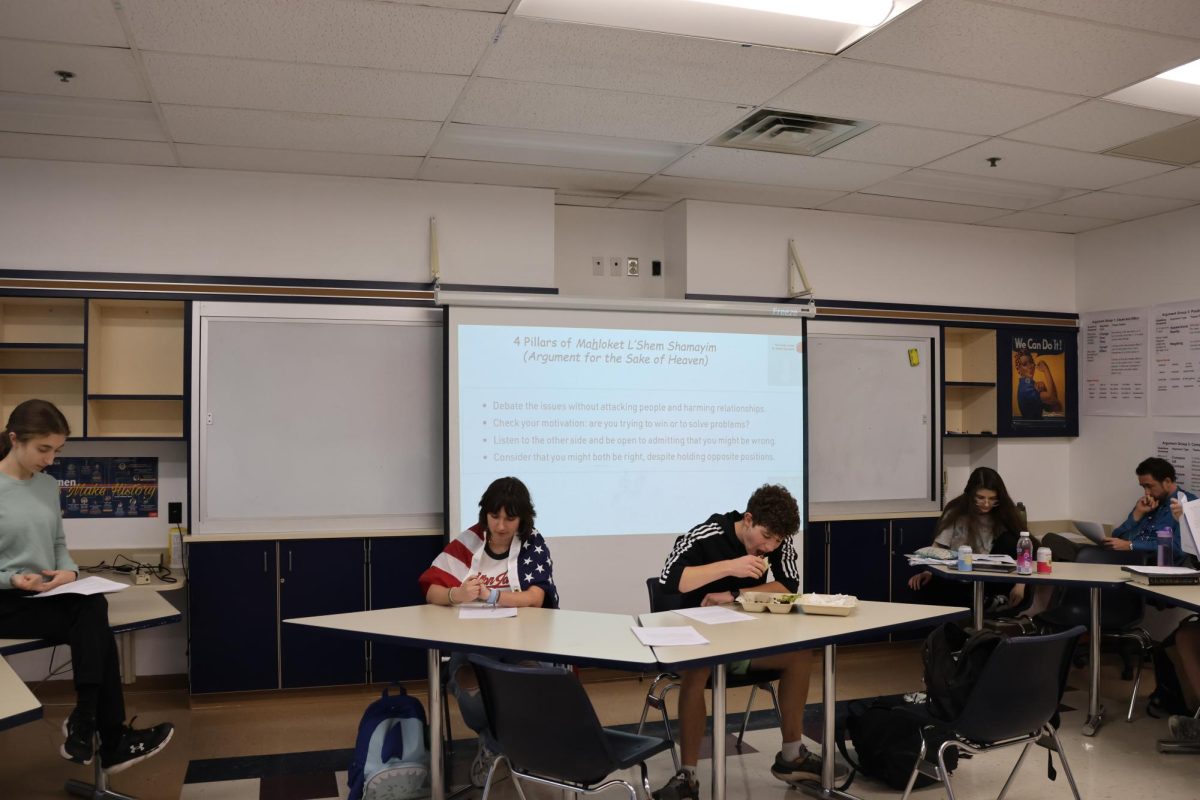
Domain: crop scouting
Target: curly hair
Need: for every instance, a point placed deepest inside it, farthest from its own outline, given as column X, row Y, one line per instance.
column 773, row 507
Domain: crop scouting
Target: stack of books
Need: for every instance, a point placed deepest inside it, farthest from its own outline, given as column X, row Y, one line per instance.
column 1164, row 576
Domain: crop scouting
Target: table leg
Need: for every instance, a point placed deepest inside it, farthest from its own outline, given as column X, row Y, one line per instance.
column 1095, row 710
column 127, row 658
column 718, row 732
column 828, row 742
column 437, row 771
column 977, row 604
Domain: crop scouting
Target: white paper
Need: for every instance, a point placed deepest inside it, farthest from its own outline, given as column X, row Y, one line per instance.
column 1175, row 360
column 993, row 558
column 485, row 612
column 1183, row 451
column 1113, row 371
column 92, row 584
column 1189, row 524
column 917, row 561
column 1163, row 570
column 714, row 615
column 669, row 637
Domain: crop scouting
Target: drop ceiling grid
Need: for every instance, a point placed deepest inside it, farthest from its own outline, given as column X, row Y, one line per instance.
column 1015, row 46
column 320, row 163
column 1182, row 183
column 667, row 187
column 901, row 145
column 779, row 169
column 1096, row 126
column 74, row 116
column 881, row 206
column 77, row 148
column 101, row 72
column 1051, row 223
column 1108, row 205
column 1175, row 17
column 571, row 181
column 1036, row 163
column 71, row 21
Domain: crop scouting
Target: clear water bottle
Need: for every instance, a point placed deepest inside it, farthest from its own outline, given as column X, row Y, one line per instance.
column 1166, row 541
column 1025, row 554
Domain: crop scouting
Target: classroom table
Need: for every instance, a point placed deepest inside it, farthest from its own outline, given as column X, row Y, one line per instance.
column 1185, row 597
column 769, row 634
column 574, row 637
column 1094, row 576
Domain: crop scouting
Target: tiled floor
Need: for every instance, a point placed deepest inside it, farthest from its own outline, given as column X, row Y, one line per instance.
column 292, row 746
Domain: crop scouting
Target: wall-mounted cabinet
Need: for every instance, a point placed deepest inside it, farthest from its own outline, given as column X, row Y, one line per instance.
column 114, row 367
column 969, row 381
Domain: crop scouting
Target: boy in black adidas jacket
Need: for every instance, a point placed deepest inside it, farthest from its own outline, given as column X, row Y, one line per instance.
column 711, row 564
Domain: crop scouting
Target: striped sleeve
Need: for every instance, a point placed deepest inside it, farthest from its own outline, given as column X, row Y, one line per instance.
column 687, row 552
column 453, row 564
column 783, row 564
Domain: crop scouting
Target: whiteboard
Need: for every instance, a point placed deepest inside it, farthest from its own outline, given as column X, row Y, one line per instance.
column 873, row 418
column 317, row 418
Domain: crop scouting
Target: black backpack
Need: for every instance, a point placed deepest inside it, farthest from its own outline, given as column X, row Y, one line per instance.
column 953, row 662
column 886, row 742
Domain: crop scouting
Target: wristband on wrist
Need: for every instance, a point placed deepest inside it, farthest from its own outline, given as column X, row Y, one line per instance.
column 493, row 597
column 450, row 595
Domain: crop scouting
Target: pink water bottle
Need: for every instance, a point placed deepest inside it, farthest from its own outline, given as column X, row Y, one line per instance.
column 1025, row 554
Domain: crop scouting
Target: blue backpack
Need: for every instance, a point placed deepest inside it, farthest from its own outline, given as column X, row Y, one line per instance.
column 391, row 760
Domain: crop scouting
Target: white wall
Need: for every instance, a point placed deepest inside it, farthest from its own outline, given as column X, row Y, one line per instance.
column 581, row 234
column 109, row 217
column 1131, row 265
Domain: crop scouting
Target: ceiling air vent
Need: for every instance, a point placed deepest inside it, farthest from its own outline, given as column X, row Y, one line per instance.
column 787, row 132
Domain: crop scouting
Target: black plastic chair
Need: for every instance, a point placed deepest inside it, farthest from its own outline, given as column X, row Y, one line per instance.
column 662, row 685
column 1121, row 612
column 548, row 732
column 1013, row 702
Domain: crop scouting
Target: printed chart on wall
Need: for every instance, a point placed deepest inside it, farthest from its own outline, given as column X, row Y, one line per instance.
column 1183, row 451
column 106, row 487
column 1114, row 363
column 1176, row 361
column 1037, row 374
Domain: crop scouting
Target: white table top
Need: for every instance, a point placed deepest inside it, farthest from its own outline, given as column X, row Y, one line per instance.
column 1183, row 596
column 129, row 610
column 780, row 633
column 573, row 637
column 1065, row 573
column 17, row 703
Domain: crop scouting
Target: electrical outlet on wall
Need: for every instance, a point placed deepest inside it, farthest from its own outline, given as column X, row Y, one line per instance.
column 598, row 266
column 616, row 266
column 631, row 267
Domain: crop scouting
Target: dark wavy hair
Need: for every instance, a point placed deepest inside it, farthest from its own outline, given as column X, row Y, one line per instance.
column 32, row 419
column 1158, row 468
column 773, row 507
column 963, row 507
column 512, row 496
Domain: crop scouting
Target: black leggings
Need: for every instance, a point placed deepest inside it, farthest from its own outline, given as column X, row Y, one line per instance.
column 80, row 621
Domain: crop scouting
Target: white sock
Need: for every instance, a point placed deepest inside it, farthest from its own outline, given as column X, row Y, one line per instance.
column 689, row 771
column 793, row 750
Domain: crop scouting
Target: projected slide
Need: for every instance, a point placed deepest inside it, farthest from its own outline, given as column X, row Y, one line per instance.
column 627, row 431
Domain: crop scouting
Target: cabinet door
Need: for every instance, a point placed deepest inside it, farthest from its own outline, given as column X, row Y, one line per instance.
column 320, row 576
column 396, row 563
column 909, row 535
column 814, row 557
column 858, row 564
column 232, row 617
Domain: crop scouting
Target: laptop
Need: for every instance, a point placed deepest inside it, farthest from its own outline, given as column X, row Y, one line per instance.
column 1092, row 530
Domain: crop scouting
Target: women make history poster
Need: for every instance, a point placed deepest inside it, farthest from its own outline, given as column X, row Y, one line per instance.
column 101, row 487
column 1036, row 383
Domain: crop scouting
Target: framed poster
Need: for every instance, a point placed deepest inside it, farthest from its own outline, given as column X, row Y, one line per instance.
column 1036, row 382
column 106, row 487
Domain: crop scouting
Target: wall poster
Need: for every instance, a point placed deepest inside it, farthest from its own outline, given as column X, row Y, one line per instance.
column 1114, row 363
column 1036, row 379
column 1175, row 360
column 106, row 487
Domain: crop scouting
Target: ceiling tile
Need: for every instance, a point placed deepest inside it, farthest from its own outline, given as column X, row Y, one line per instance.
column 76, row 148
column 104, row 72
column 1161, row 94
column 665, row 187
column 75, row 21
column 1036, row 163
column 553, row 149
column 642, row 205
column 77, row 116
column 571, row 109
column 887, row 94
column 638, row 61
column 1176, row 17
column 1011, row 45
column 1182, row 183
column 383, row 35
column 296, row 131
column 895, row 144
column 578, row 200
column 1051, row 223
column 568, row 181
column 779, row 169
column 911, row 209
column 300, row 161
column 1096, row 125
column 495, row 6
column 237, row 83
column 1109, row 205
column 971, row 190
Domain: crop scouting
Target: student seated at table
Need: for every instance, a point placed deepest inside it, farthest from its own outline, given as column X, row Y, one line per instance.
column 985, row 518
column 501, row 560
column 1151, row 512
column 711, row 564
column 1187, row 645
column 34, row 559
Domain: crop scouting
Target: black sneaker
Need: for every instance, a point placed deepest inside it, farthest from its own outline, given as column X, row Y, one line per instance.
column 134, row 746
column 805, row 769
column 679, row 787
column 80, row 732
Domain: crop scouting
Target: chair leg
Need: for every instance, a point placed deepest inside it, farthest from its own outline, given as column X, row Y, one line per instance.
column 645, row 780
column 1017, row 766
column 1062, row 757
column 487, row 783
column 912, row 778
column 1137, row 682
column 746, row 716
column 941, row 754
column 667, row 726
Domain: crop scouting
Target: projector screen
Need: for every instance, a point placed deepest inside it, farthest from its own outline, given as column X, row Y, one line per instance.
column 622, row 422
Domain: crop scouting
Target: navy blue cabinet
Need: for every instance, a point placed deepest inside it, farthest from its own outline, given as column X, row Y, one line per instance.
column 320, row 576
column 232, row 616
column 815, row 560
column 858, row 558
column 909, row 535
column 395, row 564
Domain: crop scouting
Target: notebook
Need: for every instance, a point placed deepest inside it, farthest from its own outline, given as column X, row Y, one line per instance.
column 1164, row 576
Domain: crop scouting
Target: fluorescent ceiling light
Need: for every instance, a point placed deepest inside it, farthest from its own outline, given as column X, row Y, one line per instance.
column 820, row 26
column 1176, row 90
column 1188, row 73
column 554, row 149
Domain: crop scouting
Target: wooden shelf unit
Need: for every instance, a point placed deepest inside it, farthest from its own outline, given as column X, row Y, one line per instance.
column 969, row 381
column 114, row 367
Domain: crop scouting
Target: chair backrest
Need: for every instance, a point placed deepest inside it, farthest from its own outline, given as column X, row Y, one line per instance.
column 543, row 721
column 1020, row 687
column 1119, row 608
column 660, row 598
